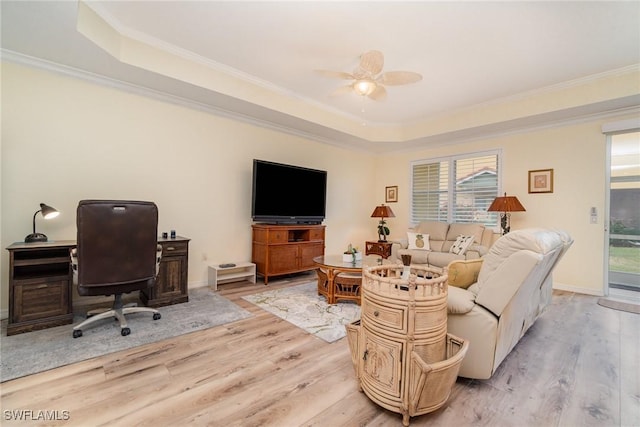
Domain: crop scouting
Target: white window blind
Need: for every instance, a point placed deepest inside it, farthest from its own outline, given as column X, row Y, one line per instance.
column 456, row 189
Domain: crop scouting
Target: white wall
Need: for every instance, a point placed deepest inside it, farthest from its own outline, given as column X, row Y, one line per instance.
column 64, row 140
column 575, row 152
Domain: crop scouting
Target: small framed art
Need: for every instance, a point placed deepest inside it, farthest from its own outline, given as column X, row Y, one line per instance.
column 391, row 194
column 541, row 181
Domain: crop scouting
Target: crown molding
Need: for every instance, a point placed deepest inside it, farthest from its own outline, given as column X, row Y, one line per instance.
column 131, row 88
column 333, row 137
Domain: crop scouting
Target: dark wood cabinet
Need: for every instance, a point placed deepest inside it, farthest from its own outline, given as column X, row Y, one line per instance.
column 40, row 280
column 378, row 248
column 285, row 249
column 171, row 283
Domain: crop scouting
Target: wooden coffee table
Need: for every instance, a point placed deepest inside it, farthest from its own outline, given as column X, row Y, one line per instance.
column 339, row 280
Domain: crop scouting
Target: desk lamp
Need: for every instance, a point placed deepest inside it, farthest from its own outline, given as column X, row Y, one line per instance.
column 505, row 205
column 47, row 212
column 382, row 212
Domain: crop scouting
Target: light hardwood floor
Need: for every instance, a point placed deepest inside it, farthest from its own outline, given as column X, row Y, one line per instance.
column 577, row 366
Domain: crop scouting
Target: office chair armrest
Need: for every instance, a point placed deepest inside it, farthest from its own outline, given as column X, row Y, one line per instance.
column 158, row 258
column 74, row 264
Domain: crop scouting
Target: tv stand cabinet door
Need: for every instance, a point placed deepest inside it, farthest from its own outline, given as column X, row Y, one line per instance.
column 308, row 252
column 282, row 259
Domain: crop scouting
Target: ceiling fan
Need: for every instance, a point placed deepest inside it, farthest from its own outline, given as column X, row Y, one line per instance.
column 368, row 78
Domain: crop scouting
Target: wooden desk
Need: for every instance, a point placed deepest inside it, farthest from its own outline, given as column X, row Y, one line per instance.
column 41, row 280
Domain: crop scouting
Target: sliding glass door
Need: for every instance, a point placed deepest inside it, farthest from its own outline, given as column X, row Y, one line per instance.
column 624, row 213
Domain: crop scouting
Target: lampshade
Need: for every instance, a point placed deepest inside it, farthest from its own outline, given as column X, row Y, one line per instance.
column 382, row 211
column 506, row 204
column 47, row 212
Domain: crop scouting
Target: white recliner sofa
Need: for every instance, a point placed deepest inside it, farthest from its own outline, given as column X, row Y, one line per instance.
column 493, row 301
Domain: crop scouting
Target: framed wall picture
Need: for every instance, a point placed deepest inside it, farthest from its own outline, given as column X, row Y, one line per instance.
column 391, row 194
column 541, row 181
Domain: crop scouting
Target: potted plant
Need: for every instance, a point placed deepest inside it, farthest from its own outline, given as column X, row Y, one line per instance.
column 351, row 254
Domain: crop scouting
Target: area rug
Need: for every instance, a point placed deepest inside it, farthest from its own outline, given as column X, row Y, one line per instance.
column 38, row 351
column 302, row 306
column 620, row 305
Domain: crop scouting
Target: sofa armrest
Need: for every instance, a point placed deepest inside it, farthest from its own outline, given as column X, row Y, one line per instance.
column 460, row 301
column 476, row 251
column 464, row 273
column 402, row 243
column 396, row 246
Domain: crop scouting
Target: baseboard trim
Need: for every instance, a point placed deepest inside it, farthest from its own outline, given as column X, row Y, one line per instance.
column 576, row 289
column 4, row 313
column 194, row 285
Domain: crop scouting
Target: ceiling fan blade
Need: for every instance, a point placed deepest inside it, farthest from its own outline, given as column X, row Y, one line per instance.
column 371, row 62
column 342, row 90
column 336, row 74
column 399, row 78
column 379, row 94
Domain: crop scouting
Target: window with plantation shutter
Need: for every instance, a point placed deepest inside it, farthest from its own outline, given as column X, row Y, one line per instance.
column 456, row 189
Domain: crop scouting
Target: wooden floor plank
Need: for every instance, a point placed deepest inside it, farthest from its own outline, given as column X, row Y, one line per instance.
column 578, row 365
column 629, row 383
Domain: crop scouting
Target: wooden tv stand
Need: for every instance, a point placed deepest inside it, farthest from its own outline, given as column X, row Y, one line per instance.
column 285, row 249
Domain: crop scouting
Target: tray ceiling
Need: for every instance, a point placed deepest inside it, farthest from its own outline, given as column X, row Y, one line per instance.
column 258, row 60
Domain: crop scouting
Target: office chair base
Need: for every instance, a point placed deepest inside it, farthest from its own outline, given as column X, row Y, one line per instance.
column 118, row 314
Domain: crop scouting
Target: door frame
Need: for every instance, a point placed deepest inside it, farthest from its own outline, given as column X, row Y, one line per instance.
column 609, row 130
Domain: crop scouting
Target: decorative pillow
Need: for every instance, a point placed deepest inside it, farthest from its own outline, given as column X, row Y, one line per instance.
column 461, row 245
column 419, row 241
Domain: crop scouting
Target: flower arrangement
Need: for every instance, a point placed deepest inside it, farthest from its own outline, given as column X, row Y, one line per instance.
column 351, row 254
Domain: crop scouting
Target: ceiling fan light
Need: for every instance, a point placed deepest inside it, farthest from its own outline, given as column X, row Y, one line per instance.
column 364, row 87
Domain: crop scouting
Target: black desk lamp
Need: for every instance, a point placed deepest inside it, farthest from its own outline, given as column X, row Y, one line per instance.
column 47, row 212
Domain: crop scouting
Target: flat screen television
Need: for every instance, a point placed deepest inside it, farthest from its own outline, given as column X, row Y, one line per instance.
column 287, row 194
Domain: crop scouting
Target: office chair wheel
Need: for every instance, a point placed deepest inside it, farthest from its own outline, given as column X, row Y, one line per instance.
column 156, row 316
column 77, row 333
column 125, row 331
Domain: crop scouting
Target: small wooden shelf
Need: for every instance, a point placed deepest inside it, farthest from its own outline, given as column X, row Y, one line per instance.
column 241, row 271
column 378, row 248
column 39, row 285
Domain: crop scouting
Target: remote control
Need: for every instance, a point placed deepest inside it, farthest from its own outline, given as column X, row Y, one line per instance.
column 227, row 265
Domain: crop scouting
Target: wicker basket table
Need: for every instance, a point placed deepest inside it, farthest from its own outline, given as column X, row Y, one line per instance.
column 403, row 357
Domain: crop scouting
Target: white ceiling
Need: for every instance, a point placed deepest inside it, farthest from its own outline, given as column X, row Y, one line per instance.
column 470, row 54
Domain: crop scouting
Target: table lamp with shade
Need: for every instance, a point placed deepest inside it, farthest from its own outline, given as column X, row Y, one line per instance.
column 47, row 212
column 505, row 205
column 382, row 212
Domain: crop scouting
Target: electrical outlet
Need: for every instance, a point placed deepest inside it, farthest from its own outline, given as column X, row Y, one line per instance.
column 594, row 215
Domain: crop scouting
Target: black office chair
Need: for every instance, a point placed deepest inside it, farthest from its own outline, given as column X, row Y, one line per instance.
column 117, row 253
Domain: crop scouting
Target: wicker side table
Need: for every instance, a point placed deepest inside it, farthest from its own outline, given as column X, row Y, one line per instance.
column 403, row 357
